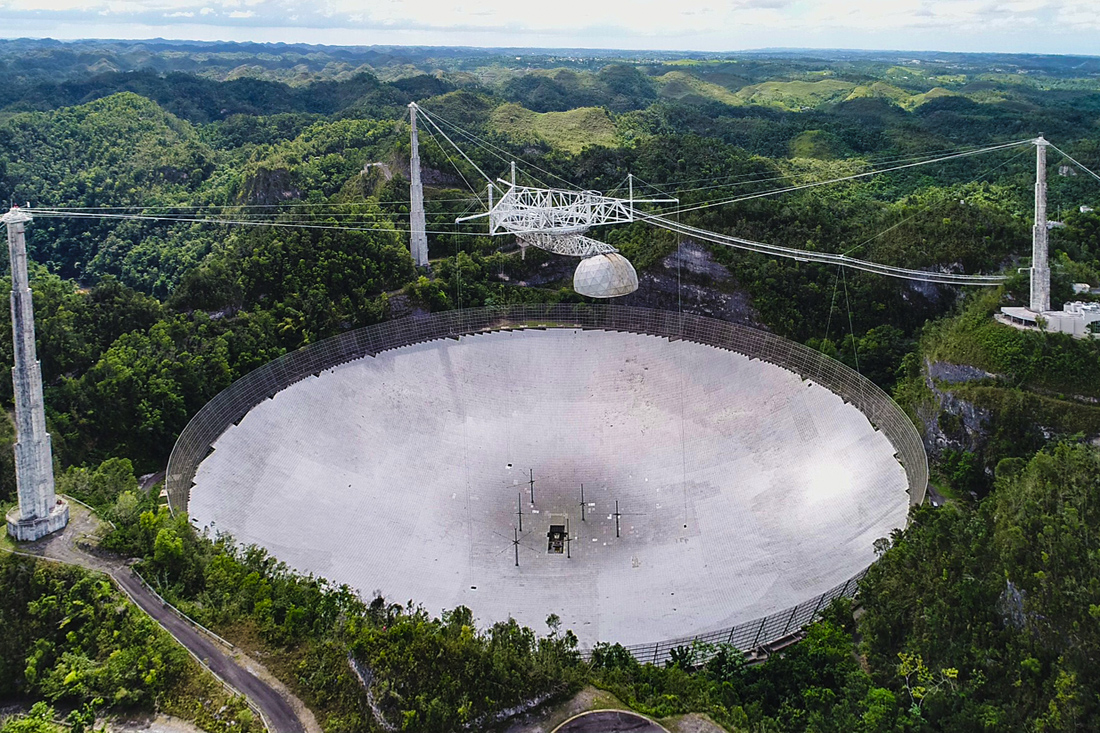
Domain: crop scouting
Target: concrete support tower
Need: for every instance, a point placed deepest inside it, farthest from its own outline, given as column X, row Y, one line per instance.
column 1040, row 258
column 40, row 510
column 418, row 239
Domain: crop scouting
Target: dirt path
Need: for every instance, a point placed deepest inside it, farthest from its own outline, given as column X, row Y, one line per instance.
column 67, row 547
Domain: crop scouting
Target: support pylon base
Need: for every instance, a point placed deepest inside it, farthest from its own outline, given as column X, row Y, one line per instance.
column 35, row 528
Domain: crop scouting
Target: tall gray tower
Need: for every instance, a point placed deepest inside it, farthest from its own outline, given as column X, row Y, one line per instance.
column 1040, row 258
column 40, row 510
column 418, row 238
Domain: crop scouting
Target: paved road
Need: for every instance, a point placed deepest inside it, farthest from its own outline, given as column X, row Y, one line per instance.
column 278, row 711
column 609, row 721
column 64, row 548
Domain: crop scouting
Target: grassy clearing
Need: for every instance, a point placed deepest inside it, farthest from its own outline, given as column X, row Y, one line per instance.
column 933, row 93
column 796, row 95
column 683, row 87
column 818, row 144
column 880, row 90
column 571, row 131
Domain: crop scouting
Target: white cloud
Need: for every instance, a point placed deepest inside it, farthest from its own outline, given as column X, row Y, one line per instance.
column 1004, row 25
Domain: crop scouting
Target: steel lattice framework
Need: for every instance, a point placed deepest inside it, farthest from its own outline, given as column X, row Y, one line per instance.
column 573, row 245
column 523, row 209
column 556, row 219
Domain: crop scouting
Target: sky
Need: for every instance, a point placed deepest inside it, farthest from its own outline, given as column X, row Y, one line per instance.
column 1016, row 26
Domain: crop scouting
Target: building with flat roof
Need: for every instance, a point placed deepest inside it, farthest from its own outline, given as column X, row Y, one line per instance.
column 1075, row 318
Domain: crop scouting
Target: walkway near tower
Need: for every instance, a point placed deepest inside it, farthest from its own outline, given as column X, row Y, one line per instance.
column 278, row 713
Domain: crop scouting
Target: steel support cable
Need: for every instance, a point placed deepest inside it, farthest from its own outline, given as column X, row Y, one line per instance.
column 485, row 145
column 955, row 152
column 1075, row 161
column 52, row 213
column 240, row 206
column 482, row 143
column 803, row 255
column 460, row 151
column 832, row 304
column 455, row 165
column 495, row 150
column 852, row 177
column 736, row 184
column 342, row 218
column 928, row 206
column 619, row 186
column 919, row 159
column 748, row 180
column 869, row 161
column 510, row 160
column 506, row 160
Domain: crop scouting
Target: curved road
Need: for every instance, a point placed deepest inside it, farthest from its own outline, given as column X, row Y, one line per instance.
column 279, row 714
column 609, row 721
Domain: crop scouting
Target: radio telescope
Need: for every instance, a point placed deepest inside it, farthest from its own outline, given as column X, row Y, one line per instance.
column 728, row 475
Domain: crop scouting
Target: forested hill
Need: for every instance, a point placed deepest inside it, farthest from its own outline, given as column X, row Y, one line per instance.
column 250, row 199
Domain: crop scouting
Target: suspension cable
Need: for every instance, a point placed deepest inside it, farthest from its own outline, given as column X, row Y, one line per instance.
column 460, row 151
column 53, row 213
column 1075, row 162
column 803, row 255
column 852, row 177
column 478, row 140
column 455, row 165
column 871, row 161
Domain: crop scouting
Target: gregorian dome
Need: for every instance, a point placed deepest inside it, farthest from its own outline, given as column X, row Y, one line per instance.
column 605, row 276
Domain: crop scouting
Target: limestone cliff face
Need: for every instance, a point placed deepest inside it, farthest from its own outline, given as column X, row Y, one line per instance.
column 691, row 279
column 270, row 186
column 952, row 423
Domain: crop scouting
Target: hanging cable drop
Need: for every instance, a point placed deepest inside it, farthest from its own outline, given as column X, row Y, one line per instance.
column 804, row 255
column 556, row 220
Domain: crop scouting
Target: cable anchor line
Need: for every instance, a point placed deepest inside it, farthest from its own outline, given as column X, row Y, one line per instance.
column 803, row 255
column 417, row 108
column 556, row 220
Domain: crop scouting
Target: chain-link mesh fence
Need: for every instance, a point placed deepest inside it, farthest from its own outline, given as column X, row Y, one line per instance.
column 751, row 634
column 233, row 403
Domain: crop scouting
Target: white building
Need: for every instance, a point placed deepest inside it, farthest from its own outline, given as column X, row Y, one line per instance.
column 1074, row 318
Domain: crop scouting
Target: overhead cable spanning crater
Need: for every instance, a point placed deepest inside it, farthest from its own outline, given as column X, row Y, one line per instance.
column 556, row 220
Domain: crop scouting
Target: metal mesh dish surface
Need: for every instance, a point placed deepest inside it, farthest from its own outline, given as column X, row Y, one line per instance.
column 746, row 489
